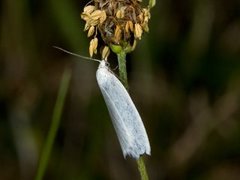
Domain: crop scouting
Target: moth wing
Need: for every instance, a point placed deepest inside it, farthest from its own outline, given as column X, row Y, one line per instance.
column 125, row 117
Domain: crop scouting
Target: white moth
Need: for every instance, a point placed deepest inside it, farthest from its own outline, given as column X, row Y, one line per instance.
column 126, row 120
column 125, row 117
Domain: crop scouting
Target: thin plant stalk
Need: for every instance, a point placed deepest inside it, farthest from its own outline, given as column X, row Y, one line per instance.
column 123, row 77
column 142, row 168
column 122, row 68
column 57, row 113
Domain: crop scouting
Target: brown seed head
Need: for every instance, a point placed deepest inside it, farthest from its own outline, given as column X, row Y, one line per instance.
column 119, row 22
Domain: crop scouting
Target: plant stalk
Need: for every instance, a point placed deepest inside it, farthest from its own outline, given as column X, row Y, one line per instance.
column 142, row 168
column 122, row 68
column 123, row 77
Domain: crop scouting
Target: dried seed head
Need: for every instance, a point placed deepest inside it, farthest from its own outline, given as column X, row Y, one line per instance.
column 105, row 52
column 93, row 46
column 119, row 22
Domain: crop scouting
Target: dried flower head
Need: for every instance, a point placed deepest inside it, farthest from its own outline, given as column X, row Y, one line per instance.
column 116, row 22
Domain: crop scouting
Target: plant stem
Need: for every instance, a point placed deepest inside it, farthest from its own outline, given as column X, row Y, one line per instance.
column 142, row 168
column 122, row 68
column 123, row 77
column 57, row 113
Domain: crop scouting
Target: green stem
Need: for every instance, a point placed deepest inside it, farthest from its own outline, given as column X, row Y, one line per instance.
column 122, row 68
column 57, row 113
column 142, row 168
column 123, row 77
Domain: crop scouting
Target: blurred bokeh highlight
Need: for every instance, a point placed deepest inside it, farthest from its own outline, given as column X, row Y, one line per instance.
column 184, row 78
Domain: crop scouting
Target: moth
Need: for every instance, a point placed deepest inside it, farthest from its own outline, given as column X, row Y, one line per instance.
column 124, row 115
column 126, row 120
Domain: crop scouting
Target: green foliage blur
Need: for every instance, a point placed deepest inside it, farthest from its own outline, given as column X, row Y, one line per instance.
column 184, row 78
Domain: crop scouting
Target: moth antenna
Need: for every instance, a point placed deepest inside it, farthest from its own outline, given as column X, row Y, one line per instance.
column 76, row 55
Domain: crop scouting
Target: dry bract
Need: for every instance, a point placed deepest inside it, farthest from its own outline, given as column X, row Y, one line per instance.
column 105, row 52
column 85, row 16
column 145, row 27
column 146, row 13
column 93, row 46
column 89, row 9
column 96, row 14
column 86, row 27
column 94, row 17
column 129, row 27
column 93, row 22
column 91, row 31
column 140, row 17
column 120, row 13
column 138, row 31
column 103, row 17
column 117, row 34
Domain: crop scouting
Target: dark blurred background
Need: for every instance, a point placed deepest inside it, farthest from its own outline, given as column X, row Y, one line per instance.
column 184, row 78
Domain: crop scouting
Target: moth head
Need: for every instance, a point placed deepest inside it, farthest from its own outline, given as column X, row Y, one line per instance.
column 104, row 64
